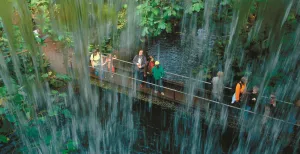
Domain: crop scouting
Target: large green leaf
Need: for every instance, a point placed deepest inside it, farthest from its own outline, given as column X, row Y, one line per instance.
column 162, row 25
column 198, row 6
column 155, row 11
column 3, row 139
column 45, row 75
column 54, row 92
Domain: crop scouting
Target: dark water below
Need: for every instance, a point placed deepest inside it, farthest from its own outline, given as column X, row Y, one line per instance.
column 157, row 129
column 162, row 130
column 181, row 56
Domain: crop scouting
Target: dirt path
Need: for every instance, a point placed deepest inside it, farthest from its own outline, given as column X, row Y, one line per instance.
column 55, row 55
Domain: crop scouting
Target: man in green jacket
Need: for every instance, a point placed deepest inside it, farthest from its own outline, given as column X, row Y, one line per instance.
column 158, row 72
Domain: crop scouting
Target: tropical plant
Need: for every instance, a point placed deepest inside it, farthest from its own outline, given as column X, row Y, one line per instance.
column 122, row 18
column 196, row 6
column 158, row 16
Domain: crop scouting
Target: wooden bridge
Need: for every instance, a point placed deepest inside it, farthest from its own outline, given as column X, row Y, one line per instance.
column 177, row 96
column 176, row 93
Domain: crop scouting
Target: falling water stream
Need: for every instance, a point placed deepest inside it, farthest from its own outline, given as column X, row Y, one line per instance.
column 105, row 121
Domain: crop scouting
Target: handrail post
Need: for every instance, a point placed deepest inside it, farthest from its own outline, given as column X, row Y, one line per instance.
column 174, row 96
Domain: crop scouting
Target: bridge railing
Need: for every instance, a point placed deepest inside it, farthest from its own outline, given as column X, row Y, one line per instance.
column 172, row 94
column 122, row 64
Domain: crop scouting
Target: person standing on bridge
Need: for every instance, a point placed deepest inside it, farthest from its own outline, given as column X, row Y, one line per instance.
column 218, row 86
column 240, row 89
column 158, row 72
column 148, row 71
column 109, row 63
column 252, row 99
column 139, row 62
column 96, row 61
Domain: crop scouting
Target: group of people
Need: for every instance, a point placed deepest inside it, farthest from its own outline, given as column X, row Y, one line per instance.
column 144, row 68
column 240, row 93
column 97, row 62
column 249, row 98
column 150, row 70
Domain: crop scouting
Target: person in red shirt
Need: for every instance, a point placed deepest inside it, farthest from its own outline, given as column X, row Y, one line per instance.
column 148, row 71
column 109, row 63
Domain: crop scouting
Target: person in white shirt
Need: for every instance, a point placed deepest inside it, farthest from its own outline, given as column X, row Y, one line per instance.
column 217, row 86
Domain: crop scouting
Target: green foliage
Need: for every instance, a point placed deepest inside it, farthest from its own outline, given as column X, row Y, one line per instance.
column 56, row 80
column 40, row 12
column 11, row 118
column 158, row 16
column 4, row 45
column 196, row 6
column 122, row 18
column 67, row 113
column 3, row 139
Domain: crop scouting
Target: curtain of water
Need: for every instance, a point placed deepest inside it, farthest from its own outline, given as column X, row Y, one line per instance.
column 105, row 121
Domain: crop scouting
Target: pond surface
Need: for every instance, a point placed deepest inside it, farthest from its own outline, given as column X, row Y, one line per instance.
column 181, row 56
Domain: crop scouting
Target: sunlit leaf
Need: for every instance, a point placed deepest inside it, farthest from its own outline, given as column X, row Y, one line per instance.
column 54, row 92
column 45, row 75
column 62, row 95
column 3, row 139
column 198, row 6
column 156, row 11
column 162, row 25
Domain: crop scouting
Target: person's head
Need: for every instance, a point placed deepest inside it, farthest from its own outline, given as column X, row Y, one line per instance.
column 220, row 74
column 141, row 52
column 272, row 96
column 255, row 89
column 157, row 63
column 96, row 51
column 151, row 58
column 109, row 55
column 244, row 80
